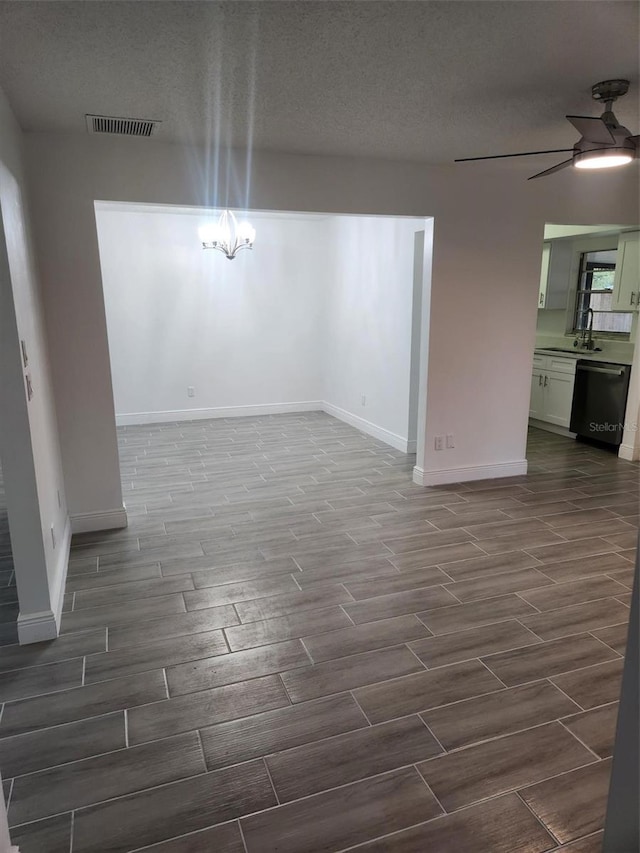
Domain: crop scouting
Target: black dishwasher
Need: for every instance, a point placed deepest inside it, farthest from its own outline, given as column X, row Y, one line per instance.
column 600, row 400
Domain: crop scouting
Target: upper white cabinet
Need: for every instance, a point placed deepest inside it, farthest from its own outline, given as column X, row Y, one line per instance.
column 555, row 274
column 544, row 274
column 626, row 285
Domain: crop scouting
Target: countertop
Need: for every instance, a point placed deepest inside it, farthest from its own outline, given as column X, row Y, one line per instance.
column 590, row 356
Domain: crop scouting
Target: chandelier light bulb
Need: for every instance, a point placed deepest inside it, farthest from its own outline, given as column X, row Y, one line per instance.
column 246, row 232
column 208, row 233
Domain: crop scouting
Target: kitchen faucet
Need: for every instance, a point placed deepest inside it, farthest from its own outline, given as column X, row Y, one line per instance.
column 587, row 331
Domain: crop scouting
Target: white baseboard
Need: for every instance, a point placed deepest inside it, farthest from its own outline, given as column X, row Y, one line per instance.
column 628, row 452
column 37, row 627
column 57, row 595
column 397, row 441
column 87, row 522
column 463, row 475
column 385, row 435
column 45, row 625
column 134, row 418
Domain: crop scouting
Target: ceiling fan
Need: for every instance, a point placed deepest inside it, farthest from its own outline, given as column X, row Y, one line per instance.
column 603, row 141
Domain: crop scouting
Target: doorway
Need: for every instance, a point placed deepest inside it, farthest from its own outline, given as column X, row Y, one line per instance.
column 328, row 312
column 581, row 318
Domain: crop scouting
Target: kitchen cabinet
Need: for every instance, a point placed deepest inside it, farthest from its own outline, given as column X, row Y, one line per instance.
column 555, row 274
column 552, row 381
column 626, row 284
column 536, row 405
column 558, row 397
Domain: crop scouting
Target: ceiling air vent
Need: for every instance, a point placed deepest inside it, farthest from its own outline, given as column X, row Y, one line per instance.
column 121, row 126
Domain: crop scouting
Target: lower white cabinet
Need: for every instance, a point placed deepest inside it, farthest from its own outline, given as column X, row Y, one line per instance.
column 536, row 405
column 558, row 397
column 552, row 381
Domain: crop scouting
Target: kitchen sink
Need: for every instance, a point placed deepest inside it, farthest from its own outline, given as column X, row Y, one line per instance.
column 572, row 351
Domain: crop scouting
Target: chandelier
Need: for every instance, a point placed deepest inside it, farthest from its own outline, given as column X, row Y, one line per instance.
column 227, row 235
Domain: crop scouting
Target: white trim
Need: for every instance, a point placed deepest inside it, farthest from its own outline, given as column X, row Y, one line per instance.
column 475, row 472
column 87, row 522
column 628, row 452
column 412, row 446
column 418, row 475
column 369, row 428
column 57, row 597
column 36, row 627
column 45, row 625
column 133, row 418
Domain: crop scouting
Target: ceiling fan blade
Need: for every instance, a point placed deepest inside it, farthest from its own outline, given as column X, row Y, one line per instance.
column 553, row 169
column 521, row 154
column 592, row 129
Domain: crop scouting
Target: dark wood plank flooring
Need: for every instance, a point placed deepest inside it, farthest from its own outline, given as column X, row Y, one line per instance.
column 293, row 648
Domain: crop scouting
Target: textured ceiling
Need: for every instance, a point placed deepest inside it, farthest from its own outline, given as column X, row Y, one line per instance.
column 425, row 81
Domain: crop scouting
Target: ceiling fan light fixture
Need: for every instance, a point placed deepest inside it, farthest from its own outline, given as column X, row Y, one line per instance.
column 602, row 159
column 604, row 143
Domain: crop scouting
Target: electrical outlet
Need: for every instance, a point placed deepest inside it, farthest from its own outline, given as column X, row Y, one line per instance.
column 53, row 536
column 25, row 357
column 29, row 386
column 363, row 400
column 191, row 391
column 439, row 442
column 450, row 442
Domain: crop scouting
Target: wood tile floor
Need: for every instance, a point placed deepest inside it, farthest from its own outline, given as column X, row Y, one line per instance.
column 293, row 648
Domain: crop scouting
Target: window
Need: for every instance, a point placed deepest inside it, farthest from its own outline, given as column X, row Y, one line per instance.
column 595, row 291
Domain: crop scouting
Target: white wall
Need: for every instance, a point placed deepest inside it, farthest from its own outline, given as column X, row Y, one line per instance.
column 488, row 226
column 28, row 429
column 245, row 334
column 370, row 293
column 552, row 323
